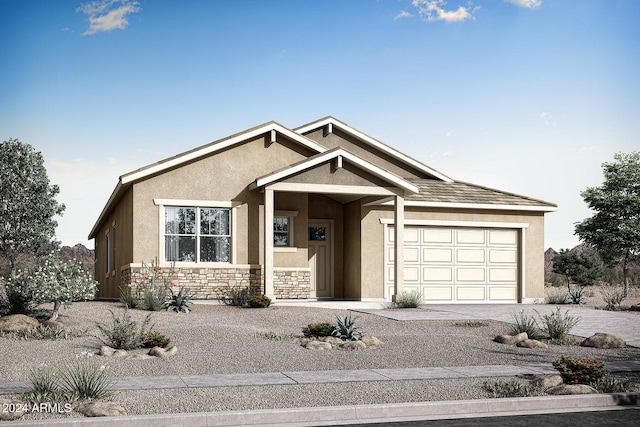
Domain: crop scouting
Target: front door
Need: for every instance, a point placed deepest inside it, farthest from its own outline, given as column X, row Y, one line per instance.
column 321, row 258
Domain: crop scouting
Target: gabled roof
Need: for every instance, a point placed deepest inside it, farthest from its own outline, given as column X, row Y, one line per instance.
column 333, row 122
column 328, row 156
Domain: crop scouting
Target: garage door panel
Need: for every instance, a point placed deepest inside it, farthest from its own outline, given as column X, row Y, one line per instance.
column 437, row 275
column 412, row 254
column 437, row 236
column 503, row 275
column 470, row 293
column 503, row 256
column 412, row 235
column 470, row 256
column 503, row 237
column 437, row 255
column 464, row 274
column 502, row 293
column 470, row 237
column 412, row 274
column 438, row 293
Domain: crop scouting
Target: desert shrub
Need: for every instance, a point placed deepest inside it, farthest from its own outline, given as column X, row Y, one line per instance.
column 524, row 322
column 238, row 296
column 152, row 285
column 274, row 336
column 511, row 388
column 42, row 332
column 613, row 298
column 346, row 328
column 179, row 302
column 85, row 378
column 313, row 330
column 579, row 371
column 124, row 333
column 44, row 385
column 128, row 298
column 260, row 301
column 408, row 299
column 155, row 339
column 557, row 325
column 558, row 296
column 152, row 299
column 614, row 385
column 577, row 296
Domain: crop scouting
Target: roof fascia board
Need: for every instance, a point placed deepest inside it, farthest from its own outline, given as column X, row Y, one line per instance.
column 375, row 143
column 220, row 145
column 488, row 206
column 329, row 155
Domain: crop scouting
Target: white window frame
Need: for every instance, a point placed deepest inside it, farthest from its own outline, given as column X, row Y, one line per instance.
column 291, row 215
column 196, row 204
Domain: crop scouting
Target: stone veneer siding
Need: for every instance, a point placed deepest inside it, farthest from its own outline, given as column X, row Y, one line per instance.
column 213, row 283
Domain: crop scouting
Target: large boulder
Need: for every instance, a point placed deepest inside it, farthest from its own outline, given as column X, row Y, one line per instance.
column 531, row 344
column 546, row 381
column 603, row 340
column 353, row 345
column 318, row 345
column 331, row 340
column 564, row 389
column 511, row 339
column 52, row 324
column 16, row 322
column 371, row 341
column 100, row 409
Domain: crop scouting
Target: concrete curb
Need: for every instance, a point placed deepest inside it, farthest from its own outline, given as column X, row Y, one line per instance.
column 344, row 415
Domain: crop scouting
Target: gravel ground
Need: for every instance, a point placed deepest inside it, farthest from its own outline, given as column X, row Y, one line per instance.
column 216, row 339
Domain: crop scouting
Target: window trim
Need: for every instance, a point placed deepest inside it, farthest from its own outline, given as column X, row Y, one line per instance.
column 162, row 203
column 291, row 215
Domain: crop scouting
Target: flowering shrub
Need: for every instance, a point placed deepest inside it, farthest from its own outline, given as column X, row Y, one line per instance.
column 155, row 339
column 50, row 280
column 579, row 371
column 151, row 287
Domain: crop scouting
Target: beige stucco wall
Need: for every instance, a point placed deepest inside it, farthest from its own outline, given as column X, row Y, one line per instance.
column 372, row 269
column 222, row 177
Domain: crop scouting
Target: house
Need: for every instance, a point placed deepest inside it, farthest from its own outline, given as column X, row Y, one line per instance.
column 319, row 211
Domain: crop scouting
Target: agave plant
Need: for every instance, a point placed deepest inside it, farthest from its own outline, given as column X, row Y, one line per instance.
column 179, row 302
column 346, row 328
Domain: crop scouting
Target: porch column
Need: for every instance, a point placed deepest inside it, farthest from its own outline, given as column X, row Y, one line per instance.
column 398, row 247
column 268, row 243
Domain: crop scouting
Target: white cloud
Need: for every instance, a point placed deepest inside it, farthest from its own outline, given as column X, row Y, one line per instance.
column 403, row 14
column 547, row 119
column 448, row 153
column 108, row 15
column 433, row 10
column 449, row 134
column 530, row 4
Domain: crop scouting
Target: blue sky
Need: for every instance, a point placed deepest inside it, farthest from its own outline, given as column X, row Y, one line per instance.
column 527, row 96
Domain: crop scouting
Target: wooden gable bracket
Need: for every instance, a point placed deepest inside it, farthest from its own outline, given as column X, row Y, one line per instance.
column 336, row 164
column 273, row 138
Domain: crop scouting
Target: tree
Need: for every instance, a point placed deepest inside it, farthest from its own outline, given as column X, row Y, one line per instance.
column 50, row 280
column 576, row 268
column 27, row 203
column 614, row 229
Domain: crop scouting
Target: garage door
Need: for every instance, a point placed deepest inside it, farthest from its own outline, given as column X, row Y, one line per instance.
column 464, row 265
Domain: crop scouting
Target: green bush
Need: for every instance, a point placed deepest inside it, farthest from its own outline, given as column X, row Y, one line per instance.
column 261, row 301
column 155, row 339
column 124, row 333
column 511, row 388
column 313, row 330
column 152, row 299
column 128, row 298
column 524, row 322
column 614, row 385
column 557, row 325
column 238, row 296
column 579, row 371
column 346, row 328
column 408, row 299
column 179, row 302
column 42, row 332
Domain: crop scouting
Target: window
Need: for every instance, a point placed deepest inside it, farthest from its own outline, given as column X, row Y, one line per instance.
column 113, row 243
column 281, row 231
column 197, row 234
column 107, row 253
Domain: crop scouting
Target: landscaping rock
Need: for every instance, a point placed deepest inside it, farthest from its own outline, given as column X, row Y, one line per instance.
column 100, row 409
column 603, row 340
column 318, row 345
column 353, row 345
column 52, row 324
column 16, row 322
column 8, row 409
column 546, row 381
column 371, row 341
column 163, row 352
column 531, row 344
column 564, row 389
column 120, row 353
column 511, row 339
column 105, row 350
column 635, row 307
column 331, row 340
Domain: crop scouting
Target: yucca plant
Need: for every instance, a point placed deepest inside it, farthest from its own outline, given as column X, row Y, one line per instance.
column 85, row 378
column 179, row 302
column 524, row 322
column 557, row 325
column 346, row 328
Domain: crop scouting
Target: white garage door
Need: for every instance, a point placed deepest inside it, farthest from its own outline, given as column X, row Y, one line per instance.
column 464, row 265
